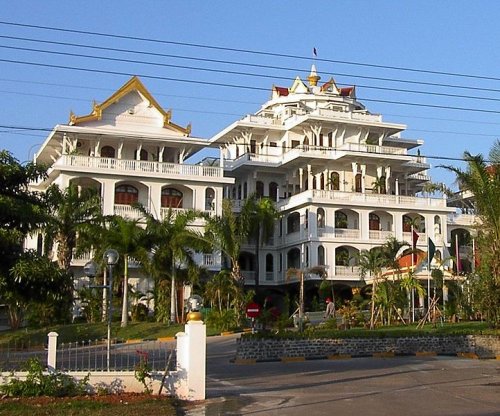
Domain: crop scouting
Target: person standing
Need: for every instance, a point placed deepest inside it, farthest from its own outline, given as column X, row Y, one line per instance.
column 330, row 309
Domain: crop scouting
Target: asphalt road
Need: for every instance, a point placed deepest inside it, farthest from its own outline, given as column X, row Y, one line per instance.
column 407, row 386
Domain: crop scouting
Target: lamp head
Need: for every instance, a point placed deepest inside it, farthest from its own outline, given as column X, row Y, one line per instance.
column 111, row 257
column 90, row 269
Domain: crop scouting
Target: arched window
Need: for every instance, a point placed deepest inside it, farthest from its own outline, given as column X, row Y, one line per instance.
column 342, row 256
column 239, row 191
column 143, row 155
column 306, row 255
column 357, row 183
column 321, row 218
column 245, row 190
column 171, row 198
column 374, row 222
column 269, row 263
column 330, row 139
column 340, row 219
column 273, row 191
column 293, row 223
column 314, row 185
column 334, row 181
column 306, row 219
column 321, row 256
column 293, row 258
column 259, row 189
column 209, row 199
column 233, row 192
column 322, row 181
column 126, row 195
column 437, row 225
column 108, row 151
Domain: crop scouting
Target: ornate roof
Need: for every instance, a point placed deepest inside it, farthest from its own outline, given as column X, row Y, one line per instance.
column 134, row 84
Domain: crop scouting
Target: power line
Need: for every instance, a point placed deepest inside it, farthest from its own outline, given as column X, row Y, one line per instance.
column 312, row 147
column 261, row 66
column 247, row 87
column 249, row 51
column 220, row 71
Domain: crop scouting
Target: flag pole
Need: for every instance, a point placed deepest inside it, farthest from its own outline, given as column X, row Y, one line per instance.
column 412, row 296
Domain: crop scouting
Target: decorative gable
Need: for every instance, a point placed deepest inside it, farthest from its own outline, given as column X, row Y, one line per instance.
column 298, row 87
column 132, row 100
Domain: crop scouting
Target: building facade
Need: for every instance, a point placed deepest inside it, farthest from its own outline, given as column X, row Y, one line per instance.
column 344, row 180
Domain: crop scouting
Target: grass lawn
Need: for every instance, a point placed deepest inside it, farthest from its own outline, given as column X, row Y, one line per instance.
column 113, row 405
column 85, row 332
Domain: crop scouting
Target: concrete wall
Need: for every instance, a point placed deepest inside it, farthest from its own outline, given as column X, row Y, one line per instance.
column 268, row 350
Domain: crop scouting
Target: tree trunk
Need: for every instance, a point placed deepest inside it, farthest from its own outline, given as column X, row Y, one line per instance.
column 173, row 297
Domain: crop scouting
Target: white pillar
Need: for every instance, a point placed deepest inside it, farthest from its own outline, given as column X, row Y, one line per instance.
column 52, row 351
column 191, row 361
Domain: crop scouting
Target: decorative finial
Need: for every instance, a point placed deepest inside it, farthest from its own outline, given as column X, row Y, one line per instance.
column 313, row 77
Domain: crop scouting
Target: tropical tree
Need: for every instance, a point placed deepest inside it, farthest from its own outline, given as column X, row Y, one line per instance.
column 127, row 237
column 172, row 242
column 69, row 210
column 21, row 213
column 225, row 233
column 371, row 263
column 38, row 286
column 482, row 179
column 258, row 218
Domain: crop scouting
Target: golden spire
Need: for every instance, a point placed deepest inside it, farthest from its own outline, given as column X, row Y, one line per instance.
column 313, row 77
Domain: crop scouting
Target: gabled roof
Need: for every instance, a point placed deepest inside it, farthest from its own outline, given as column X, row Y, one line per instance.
column 330, row 86
column 299, row 87
column 134, row 84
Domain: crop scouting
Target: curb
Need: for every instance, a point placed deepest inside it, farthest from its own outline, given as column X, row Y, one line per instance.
column 339, row 357
column 292, row 359
column 385, row 354
column 470, row 355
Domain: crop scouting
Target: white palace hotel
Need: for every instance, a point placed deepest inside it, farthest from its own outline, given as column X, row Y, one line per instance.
column 343, row 179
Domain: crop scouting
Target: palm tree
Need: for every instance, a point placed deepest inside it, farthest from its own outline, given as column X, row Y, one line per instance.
column 69, row 211
column 225, row 234
column 172, row 242
column 371, row 262
column 128, row 238
column 258, row 217
column 482, row 179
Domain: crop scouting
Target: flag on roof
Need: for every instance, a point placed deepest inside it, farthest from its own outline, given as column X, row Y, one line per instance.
column 315, row 52
column 431, row 250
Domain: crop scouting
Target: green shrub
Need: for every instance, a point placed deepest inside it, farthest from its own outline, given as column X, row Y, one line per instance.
column 222, row 320
column 37, row 383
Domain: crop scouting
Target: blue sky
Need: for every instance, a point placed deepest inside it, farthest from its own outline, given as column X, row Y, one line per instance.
column 446, row 36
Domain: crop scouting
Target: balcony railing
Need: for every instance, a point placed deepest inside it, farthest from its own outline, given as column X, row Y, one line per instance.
column 372, row 148
column 138, row 166
column 462, row 219
column 371, row 199
column 127, row 211
column 347, row 115
column 347, row 271
column 380, row 235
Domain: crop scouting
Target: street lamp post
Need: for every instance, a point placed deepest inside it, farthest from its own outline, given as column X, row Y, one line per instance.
column 110, row 258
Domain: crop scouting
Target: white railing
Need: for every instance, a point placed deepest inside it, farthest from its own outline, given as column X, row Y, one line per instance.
column 323, row 112
column 127, row 211
column 422, row 238
column 380, row 235
column 248, row 275
column 347, row 233
column 261, row 120
column 139, row 166
column 269, row 276
column 347, row 271
column 372, row 199
column 372, row 148
column 210, row 260
column 462, row 219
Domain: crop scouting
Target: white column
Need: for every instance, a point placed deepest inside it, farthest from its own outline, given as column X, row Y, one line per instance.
column 221, row 157
column 52, row 351
column 191, row 361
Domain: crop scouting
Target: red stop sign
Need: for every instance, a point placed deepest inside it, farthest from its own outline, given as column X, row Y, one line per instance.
column 253, row 310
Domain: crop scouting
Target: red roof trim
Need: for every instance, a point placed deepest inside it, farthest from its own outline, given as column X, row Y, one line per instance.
column 282, row 91
column 347, row 91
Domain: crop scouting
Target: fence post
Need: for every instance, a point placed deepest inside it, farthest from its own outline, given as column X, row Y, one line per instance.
column 52, row 351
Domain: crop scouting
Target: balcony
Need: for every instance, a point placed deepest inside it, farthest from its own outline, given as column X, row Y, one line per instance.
column 127, row 211
column 322, row 112
column 347, row 272
column 372, row 148
column 354, row 198
column 137, row 167
column 466, row 220
column 380, row 235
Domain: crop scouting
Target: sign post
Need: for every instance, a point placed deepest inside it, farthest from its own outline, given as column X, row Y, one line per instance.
column 253, row 311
